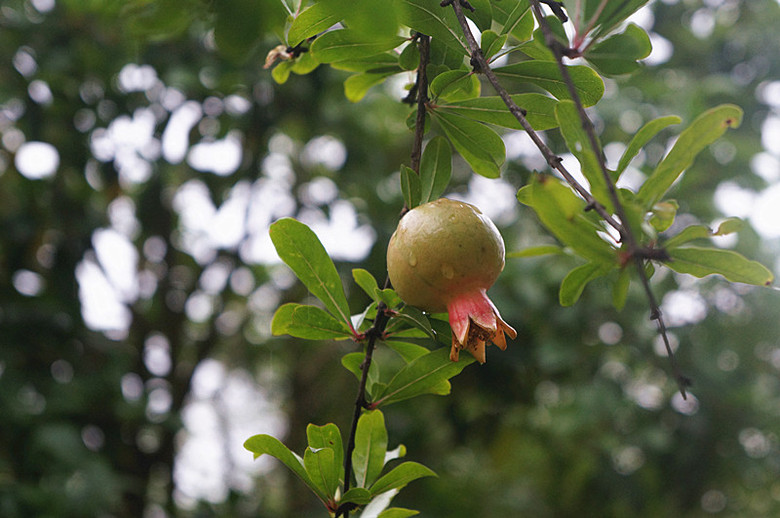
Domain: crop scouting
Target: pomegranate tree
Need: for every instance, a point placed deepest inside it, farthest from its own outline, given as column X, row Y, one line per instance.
column 444, row 256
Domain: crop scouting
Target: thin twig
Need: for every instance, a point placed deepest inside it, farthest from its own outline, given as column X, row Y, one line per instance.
column 382, row 317
column 629, row 241
column 552, row 159
column 626, row 233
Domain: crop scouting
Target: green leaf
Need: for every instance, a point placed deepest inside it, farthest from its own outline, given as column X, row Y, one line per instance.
column 599, row 17
column 357, row 496
column 435, row 168
column 492, row 43
column 729, row 226
column 353, row 363
column 700, row 262
column 702, row 132
column 304, row 64
column 368, row 457
column 415, row 318
column 642, row 137
column 386, row 62
column 540, row 110
column 300, row 249
column 579, row 144
column 408, row 351
column 367, row 282
column 518, row 21
column 479, row 145
column 327, row 436
column 620, row 53
column 536, row 251
column 563, row 213
column 321, row 466
column 401, row 475
column 422, row 375
column 664, row 213
column 620, row 289
column 545, row 74
column 372, row 18
column 308, row 322
column 397, row 512
column 429, row 18
column 575, row 281
column 694, row 232
column 346, row 44
column 410, row 187
column 481, row 14
column 320, row 16
column 281, row 72
column 455, row 85
column 357, row 86
column 410, row 57
column 267, row 445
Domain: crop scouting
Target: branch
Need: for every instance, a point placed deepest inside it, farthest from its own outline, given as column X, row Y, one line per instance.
column 626, row 233
column 380, row 322
column 481, row 65
column 628, row 239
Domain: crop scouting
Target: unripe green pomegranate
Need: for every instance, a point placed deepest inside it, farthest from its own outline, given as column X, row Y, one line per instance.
column 444, row 256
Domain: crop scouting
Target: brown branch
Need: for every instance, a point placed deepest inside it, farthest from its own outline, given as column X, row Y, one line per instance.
column 626, row 233
column 382, row 317
column 552, row 159
column 627, row 237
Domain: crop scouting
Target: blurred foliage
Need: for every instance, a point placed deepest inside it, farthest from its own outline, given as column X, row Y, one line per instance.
column 578, row 417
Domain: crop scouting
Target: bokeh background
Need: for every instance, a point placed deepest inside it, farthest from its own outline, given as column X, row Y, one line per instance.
column 140, row 167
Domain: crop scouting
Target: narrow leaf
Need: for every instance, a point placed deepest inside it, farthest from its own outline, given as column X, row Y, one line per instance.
column 664, row 213
column 267, row 445
column 642, row 137
column 455, row 85
column 368, row 457
column 410, row 187
column 356, row 495
column 687, row 235
column 408, row 351
column 321, row 466
column 492, row 43
column 430, row 18
column 308, row 322
column 575, row 281
column 435, row 168
column 327, row 436
column 401, row 475
column 345, row 44
column 536, row 251
column 416, row 318
column 700, row 262
column 702, row 132
column 540, row 110
column 514, row 22
column 545, row 74
column 320, row 16
column 357, row 86
column 579, row 144
column 620, row 53
column 620, row 289
column 397, row 512
column 367, row 282
column 563, row 213
column 422, row 375
column 353, row 362
column 479, row 145
column 300, row 249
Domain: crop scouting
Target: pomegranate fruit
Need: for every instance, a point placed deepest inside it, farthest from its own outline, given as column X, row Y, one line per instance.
column 444, row 256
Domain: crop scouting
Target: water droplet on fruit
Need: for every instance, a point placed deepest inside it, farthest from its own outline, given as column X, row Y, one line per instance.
column 412, row 260
column 447, row 271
